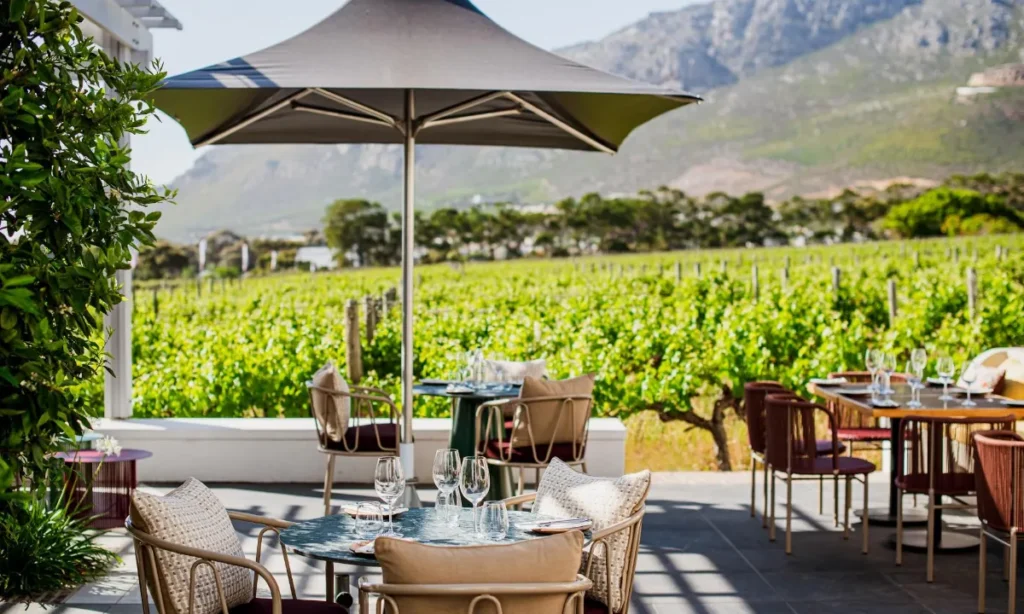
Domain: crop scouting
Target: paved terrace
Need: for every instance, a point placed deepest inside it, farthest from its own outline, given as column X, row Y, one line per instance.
column 701, row 552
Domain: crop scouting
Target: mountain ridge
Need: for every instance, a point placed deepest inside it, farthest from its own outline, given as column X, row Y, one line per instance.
column 882, row 68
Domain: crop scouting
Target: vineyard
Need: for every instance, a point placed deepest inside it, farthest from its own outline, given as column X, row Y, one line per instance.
column 673, row 333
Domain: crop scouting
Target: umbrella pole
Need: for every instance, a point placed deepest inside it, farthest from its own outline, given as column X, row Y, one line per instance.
column 408, row 245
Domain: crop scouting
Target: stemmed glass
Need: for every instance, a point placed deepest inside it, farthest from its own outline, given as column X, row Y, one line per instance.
column 871, row 362
column 474, row 482
column 389, row 482
column 446, row 477
column 919, row 358
column 888, row 367
column 945, row 368
column 969, row 375
column 914, row 376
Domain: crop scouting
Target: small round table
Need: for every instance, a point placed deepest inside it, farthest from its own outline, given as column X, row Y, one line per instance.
column 99, row 486
column 329, row 538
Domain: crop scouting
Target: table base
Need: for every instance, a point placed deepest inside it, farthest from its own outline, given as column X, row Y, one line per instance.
column 952, row 541
column 880, row 516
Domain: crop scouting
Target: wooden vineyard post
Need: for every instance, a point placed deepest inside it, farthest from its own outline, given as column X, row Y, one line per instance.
column 696, row 269
column 353, row 348
column 538, row 336
column 785, row 276
column 836, row 281
column 725, row 265
column 679, row 271
column 755, row 287
column 370, row 308
column 892, row 303
column 156, row 303
column 917, row 259
column 972, row 292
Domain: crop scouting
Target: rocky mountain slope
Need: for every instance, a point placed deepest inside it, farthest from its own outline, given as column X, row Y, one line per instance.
column 802, row 96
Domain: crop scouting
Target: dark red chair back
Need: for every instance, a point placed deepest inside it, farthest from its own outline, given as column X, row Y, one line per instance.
column 998, row 471
column 753, row 404
column 790, row 438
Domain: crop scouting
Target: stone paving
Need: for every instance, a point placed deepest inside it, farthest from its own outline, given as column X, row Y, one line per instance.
column 701, row 552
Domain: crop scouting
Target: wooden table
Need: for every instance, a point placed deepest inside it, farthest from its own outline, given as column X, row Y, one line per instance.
column 988, row 406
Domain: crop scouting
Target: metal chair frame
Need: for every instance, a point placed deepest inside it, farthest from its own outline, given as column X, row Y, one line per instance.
column 1008, row 538
column 481, row 593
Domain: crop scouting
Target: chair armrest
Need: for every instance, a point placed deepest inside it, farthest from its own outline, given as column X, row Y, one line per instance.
column 482, row 435
column 520, row 499
column 266, row 521
column 833, row 426
column 268, row 524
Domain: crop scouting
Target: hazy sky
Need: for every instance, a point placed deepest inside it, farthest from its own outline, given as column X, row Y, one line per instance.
column 217, row 30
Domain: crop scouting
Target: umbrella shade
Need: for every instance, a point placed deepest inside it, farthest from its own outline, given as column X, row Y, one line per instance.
column 358, row 63
column 408, row 71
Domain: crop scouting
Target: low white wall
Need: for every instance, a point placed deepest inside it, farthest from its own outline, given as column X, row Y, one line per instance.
column 284, row 450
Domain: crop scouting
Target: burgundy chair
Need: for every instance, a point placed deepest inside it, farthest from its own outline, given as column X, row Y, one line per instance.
column 753, row 402
column 793, row 452
column 998, row 473
column 937, row 459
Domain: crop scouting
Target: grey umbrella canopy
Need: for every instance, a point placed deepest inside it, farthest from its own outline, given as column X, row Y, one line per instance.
column 410, row 71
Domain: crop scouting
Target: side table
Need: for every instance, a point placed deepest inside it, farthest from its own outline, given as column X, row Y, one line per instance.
column 99, row 486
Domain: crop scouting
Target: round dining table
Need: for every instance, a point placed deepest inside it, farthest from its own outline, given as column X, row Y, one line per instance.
column 330, row 538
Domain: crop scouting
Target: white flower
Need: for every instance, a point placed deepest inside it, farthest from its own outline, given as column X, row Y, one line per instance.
column 108, row 446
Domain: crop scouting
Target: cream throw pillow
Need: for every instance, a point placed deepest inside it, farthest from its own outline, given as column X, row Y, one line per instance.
column 546, row 559
column 564, row 492
column 516, row 371
column 332, row 413
column 191, row 515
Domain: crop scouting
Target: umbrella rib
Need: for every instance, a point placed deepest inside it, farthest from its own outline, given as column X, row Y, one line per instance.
column 473, row 117
column 558, row 123
column 253, row 118
column 358, row 106
column 427, row 120
column 341, row 114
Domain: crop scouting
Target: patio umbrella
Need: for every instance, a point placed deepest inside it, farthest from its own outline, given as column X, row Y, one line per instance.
column 408, row 72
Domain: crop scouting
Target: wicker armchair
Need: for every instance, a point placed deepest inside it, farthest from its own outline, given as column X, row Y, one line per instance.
column 631, row 527
column 151, row 575
column 793, row 453
column 937, row 459
column 999, row 472
column 484, row 598
column 541, row 428
column 367, row 433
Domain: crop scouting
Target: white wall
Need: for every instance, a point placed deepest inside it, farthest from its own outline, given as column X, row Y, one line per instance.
column 284, row 450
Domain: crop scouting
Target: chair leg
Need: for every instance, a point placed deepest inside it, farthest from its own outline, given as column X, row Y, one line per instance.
column 764, row 478
column 821, row 494
column 1006, row 564
column 583, row 468
column 864, row 524
column 835, row 500
column 753, row 487
column 328, row 483
column 789, row 514
column 981, row 573
column 930, row 564
column 771, row 511
column 846, row 510
column 1013, row 572
column 519, row 483
column 899, row 527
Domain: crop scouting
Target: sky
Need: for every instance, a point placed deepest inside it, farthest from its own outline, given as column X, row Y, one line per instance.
column 217, row 30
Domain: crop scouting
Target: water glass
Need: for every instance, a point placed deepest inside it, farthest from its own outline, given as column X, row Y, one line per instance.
column 389, row 482
column 914, row 379
column 871, row 360
column 945, row 368
column 888, row 367
column 448, row 509
column 474, row 482
column 369, row 519
column 494, row 524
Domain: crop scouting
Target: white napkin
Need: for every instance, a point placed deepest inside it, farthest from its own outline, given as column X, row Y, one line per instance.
column 828, row 381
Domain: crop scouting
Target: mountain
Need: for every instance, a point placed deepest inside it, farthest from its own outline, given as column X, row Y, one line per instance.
column 802, row 96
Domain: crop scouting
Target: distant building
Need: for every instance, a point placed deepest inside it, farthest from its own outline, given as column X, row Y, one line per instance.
column 318, row 257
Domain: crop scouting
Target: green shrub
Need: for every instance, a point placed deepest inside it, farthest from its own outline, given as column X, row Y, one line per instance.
column 45, row 549
column 935, row 212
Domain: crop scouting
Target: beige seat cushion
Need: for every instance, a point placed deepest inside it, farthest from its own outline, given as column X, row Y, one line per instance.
column 332, row 412
column 191, row 515
column 554, row 420
column 547, row 559
column 564, row 492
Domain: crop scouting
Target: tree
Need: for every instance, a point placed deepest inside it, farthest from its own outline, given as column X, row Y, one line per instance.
column 72, row 210
column 926, row 215
column 358, row 227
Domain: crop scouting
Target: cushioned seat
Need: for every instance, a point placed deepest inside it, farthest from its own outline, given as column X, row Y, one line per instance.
column 825, row 447
column 863, row 435
column 524, row 454
column 846, row 466
column 367, row 438
column 289, row 606
column 593, row 606
column 955, row 484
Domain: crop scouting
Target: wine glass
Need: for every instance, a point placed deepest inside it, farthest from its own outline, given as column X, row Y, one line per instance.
column 389, row 482
column 914, row 374
column 474, row 482
column 446, row 476
column 919, row 359
column 871, row 362
column 969, row 375
column 888, row 367
column 495, row 520
column 945, row 368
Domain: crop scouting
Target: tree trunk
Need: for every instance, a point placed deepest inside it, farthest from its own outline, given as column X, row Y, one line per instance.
column 715, row 425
